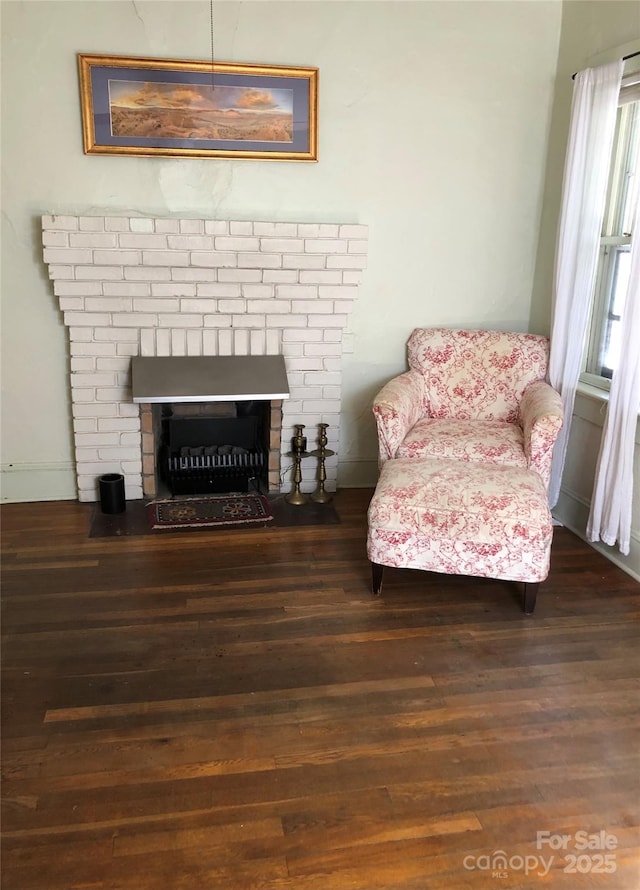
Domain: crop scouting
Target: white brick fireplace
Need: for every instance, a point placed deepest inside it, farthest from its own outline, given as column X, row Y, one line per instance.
column 133, row 286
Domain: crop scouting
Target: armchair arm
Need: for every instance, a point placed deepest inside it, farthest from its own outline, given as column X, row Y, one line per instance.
column 397, row 407
column 541, row 417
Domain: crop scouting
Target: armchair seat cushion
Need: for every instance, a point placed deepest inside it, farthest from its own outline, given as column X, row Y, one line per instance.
column 480, row 441
column 461, row 519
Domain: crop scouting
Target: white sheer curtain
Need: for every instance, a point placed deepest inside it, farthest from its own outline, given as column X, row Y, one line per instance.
column 611, row 505
column 593, row 117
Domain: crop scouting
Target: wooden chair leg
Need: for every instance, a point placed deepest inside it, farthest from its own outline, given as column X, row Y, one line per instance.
column 530, row 593
column 376, row 577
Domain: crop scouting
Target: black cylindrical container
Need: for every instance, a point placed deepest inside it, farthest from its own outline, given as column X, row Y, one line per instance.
column 112, row 498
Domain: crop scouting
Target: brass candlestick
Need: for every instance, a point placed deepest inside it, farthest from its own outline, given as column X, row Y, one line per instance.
column 320, row 496
column 298, row 451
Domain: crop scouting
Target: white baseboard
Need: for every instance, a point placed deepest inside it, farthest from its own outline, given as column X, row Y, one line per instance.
column 573, row 512
column 31, row 482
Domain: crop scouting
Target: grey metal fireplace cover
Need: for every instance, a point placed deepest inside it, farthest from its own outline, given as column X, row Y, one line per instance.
column 220, row 378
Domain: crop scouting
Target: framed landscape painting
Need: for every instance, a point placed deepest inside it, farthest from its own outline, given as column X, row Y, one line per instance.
column 180, row 108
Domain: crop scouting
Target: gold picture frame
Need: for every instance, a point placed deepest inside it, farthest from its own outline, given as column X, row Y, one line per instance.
column 196, row 109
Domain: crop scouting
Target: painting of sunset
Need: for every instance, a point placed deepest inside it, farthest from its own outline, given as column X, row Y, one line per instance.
column 200, row 111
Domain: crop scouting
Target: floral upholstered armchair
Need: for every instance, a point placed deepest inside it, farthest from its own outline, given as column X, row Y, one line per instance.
column 475, row 396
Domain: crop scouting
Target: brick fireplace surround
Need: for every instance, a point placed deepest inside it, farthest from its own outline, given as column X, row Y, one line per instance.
column 132, row 286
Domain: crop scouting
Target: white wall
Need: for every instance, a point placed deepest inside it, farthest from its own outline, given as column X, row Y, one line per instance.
column 434, row 120
column 589, row 31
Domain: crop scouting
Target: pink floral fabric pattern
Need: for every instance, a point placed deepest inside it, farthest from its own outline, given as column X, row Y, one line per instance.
column 461, row 519
column 473, row 396
column 397, row 407
column 479, row 441
column 541, row 416
column 476, row 375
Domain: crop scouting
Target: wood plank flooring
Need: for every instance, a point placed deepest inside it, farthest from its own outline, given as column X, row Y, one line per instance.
column 235, row 710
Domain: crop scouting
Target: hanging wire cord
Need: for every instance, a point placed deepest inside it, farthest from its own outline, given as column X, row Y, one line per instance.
column 211, row 32
column 573, row 76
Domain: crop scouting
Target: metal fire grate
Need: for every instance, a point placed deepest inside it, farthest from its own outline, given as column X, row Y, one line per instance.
column 231, row 460
column 219, row 471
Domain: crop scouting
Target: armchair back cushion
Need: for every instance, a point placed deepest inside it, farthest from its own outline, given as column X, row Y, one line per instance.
column 476, row 375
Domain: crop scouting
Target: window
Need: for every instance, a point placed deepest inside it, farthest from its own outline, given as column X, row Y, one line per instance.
column 602, row 351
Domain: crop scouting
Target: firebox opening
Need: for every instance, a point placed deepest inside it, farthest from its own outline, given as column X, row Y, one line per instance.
column 214, row 447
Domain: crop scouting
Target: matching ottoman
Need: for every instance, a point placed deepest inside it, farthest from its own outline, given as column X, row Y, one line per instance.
column 459, row 518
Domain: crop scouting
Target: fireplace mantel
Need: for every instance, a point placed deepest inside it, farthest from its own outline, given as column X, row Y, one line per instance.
column 223, row 378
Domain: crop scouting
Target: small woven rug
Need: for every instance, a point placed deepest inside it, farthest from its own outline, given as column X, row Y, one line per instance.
column 213, row 510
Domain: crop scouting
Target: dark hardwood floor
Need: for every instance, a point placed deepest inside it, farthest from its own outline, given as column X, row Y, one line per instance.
column 234, row 709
